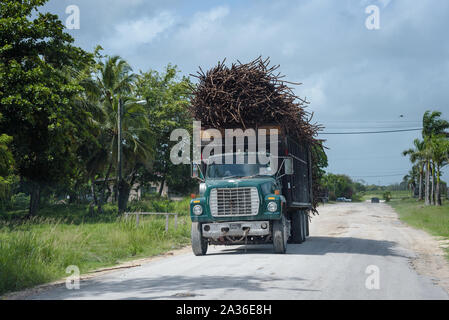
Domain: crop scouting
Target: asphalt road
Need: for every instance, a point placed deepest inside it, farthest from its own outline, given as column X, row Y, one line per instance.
column 356, row 251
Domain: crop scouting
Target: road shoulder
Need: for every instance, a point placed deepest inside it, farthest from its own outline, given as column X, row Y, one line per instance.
column 430, row 259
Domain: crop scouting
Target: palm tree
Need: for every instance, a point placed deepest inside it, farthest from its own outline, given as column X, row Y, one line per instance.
column 440, row 153
column 115, row 82
column 427, row 155
column 417, row 157
column 93, row 152
column 411, row 179
column 433, row 125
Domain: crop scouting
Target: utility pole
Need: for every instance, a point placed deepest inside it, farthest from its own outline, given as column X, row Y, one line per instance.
column 120, row 158
column 119, row 153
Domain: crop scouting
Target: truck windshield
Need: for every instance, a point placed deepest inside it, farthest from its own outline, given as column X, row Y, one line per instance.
column 223, row 171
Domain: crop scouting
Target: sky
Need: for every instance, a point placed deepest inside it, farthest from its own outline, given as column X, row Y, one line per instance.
column 355, row 78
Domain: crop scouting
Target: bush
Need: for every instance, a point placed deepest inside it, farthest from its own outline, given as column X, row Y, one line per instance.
column 20, row 201
column 160, row 204
column 357, row 197
column 387, row 196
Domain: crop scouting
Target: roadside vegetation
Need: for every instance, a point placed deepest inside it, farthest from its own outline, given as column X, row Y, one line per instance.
column 386, row 193
column 339, row 185
column 435, row 220
column 342, row 186
column 427, row 207
column 38, row 250
column 429, row 156
column 59, row 110
column 60, row 191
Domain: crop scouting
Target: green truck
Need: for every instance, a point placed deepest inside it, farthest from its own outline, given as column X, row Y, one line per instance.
column 242, row 203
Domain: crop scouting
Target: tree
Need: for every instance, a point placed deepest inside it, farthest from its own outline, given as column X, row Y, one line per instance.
column 440, row 153
column 319, row 161
column 6, row 165
column 167, row 99
column 115, row 81
column 35, row 54
column 338, row 185
column 417, row 157
column 413, row 178
column 6, row 159
column 433, row 125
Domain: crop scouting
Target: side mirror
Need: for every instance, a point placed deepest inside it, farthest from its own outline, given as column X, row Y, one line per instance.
column 196, row 171
column 288, row 166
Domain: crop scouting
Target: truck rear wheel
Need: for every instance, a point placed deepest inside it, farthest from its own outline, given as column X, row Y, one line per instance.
column 199, row 244
column 304, row 225
column 280, row 236
column 307, row 225
column 298, row 230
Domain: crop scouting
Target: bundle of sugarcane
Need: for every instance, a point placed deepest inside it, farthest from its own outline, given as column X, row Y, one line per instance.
column 250, row 94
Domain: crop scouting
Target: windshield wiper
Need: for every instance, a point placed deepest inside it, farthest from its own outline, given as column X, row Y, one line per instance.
column 231, row 177
column 257, row 175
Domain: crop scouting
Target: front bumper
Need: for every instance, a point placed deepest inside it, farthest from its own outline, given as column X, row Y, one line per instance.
column 235, row 229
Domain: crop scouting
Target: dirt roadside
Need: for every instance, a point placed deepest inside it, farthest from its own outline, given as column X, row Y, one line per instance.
column 365, row 219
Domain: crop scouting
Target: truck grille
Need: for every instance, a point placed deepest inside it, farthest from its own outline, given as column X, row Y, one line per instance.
column 234, row 202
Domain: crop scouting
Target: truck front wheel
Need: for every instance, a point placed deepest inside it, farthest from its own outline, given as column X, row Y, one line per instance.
column 199, row 244
column 280, row 236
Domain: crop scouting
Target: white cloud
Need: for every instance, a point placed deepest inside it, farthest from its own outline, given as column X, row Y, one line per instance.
column 131, row 34
column 314, row 91
column 213, row 14
column 203, row 24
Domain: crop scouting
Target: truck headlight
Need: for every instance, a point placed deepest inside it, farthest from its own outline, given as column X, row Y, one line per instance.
column 272, row 206
column 197, row 210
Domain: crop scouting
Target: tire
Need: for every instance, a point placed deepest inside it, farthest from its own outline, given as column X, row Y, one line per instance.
column 297, row 228
column 279, row 236
column 307, row 225
column 199, row 244
column 304, row 225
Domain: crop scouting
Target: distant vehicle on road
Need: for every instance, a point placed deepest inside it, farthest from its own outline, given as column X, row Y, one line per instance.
column 375, row 200
column 343, row 199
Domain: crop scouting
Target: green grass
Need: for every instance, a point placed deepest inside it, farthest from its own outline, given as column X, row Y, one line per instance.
column 403, row 194
column 38, row 251
column 433, row 219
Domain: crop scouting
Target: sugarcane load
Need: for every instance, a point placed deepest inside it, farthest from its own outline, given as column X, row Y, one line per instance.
column 258, row 165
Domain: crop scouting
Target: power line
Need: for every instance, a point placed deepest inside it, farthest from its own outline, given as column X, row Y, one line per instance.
column 372, row 132
column 370, row 121
column 366, row 128
column 367, row 157
column 388, row 175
